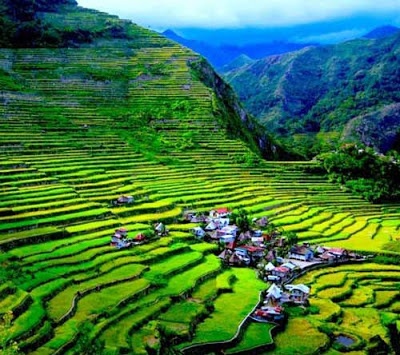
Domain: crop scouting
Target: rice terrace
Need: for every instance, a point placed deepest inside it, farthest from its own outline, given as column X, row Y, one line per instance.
column 114, row 150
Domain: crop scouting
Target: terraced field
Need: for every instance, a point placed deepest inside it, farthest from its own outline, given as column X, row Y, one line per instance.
column 355, row 301
column 77, row 130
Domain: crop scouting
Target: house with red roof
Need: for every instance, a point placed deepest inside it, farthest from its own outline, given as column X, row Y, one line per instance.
column 282, row 272
column 221, row 212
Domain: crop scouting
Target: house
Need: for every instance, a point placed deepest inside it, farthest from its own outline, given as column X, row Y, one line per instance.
column 269, row 267
column 227, row 238
column 211, row 226
column 290, row 266
column 272, row 278
column 333, row 254
column 269, row 314
column 139, row 239
column 271, row 255
column 225, row 255
column 279, row 242
column 198, row 232
column 123, row 232
column 255, row 253
column 257, row 233
column 257, row 240
column 161, row 229
column 245, row 236
column 228, row 230
column 123, row 200
column 244, row 258
column 119, row 239
column 339, row 253
column 298, row 293
column 241, row 251
column 221, row 212
column 282, row 272
column 301, row 252
column 189, row 215
column 243, row 255
column 115, row 239
column 273, row 296
column 223, row 222
column 235, row 260
column 212, row 236
column 261, row 222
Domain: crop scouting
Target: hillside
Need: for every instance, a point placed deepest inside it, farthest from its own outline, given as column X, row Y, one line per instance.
column 309, row 97
column 180, row 82
column 86, row 121
column 381, row 32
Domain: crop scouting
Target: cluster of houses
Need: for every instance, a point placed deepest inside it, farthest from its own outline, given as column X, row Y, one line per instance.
column 121, row 240
column 243, row 255
column 219, row 229
column 272, row 309
column 256, row 248
column 304, row 252
column 244, row 248
column 300, row 257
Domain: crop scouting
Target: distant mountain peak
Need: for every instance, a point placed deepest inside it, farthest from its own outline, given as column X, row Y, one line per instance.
column 170, row 32
column 381, row 32
column 237, row 63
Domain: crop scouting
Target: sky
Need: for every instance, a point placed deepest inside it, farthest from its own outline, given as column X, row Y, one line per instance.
column 210, row 17
column 218, row 14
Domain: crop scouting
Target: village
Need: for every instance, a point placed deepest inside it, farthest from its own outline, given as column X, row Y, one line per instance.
column 277, row 258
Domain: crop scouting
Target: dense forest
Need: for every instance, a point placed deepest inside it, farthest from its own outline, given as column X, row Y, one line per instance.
column 364, row 172
column 320, row 97
column 21, row 26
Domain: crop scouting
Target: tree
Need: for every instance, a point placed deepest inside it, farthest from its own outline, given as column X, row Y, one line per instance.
column 364, row 172
column 241, row 219
column 7, row 345
column 85, row 344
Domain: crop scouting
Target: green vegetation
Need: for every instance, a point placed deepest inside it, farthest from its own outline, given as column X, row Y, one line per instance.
column 365, row 173
column 141, row 116
column 328, row 95
column 355, row 301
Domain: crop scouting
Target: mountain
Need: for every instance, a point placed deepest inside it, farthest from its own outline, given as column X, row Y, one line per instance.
column 381, row 32
column 238, row 62
column 309, row 96
column 195, row 88
column 220, row 55
column 323, row 32
column 216, row 55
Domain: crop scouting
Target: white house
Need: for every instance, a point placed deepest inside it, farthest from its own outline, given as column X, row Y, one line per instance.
column 198, row 232
column 298, row 293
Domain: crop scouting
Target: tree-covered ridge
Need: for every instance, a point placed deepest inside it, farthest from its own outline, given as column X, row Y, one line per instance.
column 361, row 170
column 25, row 24
column 319, row 90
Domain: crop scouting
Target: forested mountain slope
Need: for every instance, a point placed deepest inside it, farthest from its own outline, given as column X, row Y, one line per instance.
column 310, row 96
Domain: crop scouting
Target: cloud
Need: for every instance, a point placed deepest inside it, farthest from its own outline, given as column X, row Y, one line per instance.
column 238, row 13
column 332, row 37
